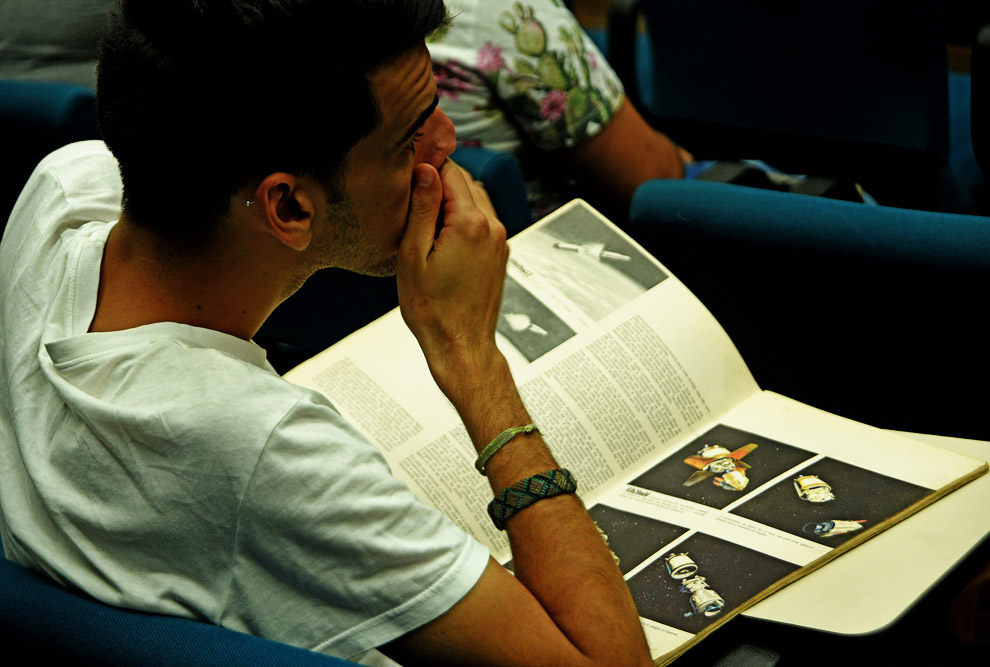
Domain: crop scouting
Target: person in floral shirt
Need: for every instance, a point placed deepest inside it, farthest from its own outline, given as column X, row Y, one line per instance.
column 525, row 79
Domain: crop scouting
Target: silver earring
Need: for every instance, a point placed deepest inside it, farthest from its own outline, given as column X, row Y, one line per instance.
column 248, row 203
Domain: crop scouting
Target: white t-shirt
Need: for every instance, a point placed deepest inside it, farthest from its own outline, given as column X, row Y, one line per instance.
column 168, row 468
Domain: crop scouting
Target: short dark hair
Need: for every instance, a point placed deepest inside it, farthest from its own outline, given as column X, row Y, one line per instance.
column 228, row 90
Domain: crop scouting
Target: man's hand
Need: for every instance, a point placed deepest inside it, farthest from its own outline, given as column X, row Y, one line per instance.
column 450, row 286
column 567, row 603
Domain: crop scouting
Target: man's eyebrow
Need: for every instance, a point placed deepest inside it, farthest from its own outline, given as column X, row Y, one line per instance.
column 420, row 121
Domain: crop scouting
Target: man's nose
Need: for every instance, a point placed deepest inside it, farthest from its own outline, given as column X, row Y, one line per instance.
column 438, row 141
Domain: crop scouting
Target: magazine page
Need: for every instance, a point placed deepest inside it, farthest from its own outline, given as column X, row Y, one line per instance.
column 875, row 597
column 615, row 359
column 771, row 492
column 711, row 493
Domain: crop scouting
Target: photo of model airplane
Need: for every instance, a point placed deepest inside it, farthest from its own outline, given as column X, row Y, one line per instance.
column 727, row 468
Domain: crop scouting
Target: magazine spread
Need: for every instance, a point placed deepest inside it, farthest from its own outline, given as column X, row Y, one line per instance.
column 711, row 492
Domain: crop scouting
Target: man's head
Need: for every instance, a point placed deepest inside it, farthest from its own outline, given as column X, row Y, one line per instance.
column 198, row 97
column 364, row 227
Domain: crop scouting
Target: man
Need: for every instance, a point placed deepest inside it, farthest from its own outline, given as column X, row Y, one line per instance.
column 150, row 455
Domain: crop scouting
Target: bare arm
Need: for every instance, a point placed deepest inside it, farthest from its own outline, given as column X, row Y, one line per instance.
column 568, row 603
column 627, row 152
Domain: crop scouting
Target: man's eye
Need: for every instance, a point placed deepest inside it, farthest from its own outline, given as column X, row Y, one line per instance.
column 412, row 143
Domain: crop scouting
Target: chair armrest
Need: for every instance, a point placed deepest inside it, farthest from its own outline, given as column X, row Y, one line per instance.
column 792, row 222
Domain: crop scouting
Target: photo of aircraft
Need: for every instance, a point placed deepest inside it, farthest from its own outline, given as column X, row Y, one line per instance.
column 727, row 468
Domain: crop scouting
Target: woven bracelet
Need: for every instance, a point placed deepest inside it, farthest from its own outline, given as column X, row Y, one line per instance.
column 496, row 444
column 530, row 490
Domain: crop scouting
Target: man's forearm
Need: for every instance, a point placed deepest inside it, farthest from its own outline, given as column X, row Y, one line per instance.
column 569, row 604
column 558, row 553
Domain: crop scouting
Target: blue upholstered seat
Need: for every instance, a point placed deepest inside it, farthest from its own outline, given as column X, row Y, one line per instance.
column 50, row 624
column 870, row 312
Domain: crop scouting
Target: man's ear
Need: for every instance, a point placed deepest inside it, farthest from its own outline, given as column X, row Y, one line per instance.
column 287, row 205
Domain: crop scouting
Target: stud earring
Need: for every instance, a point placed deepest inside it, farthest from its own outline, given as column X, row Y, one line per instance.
column 248, row 203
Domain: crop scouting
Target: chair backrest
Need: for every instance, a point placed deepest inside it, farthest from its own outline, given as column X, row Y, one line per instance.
column 36, row 117
column 980, row 99
column 872, row 313
column 52, row 624
column 850, row 88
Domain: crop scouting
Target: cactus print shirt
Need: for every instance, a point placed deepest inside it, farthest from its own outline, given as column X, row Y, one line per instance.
column 523, row 78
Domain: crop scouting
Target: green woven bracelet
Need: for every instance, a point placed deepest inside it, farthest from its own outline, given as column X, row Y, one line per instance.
column 496, row 444
column 530, row 490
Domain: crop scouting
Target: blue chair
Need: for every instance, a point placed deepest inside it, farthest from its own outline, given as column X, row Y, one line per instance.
column 849, row 89
column 873, row 313
column 51, row 624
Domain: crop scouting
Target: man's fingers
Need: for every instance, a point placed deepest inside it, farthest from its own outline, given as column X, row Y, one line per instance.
column 462, row 193
column 424, row 207
column 456, row 184
column 482, row 200
column 461, row 188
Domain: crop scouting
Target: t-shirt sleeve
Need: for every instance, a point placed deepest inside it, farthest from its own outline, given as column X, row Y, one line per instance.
column 334, row 554
column 540, row 71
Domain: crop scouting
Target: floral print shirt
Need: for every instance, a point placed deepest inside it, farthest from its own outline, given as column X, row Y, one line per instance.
column 523, row 78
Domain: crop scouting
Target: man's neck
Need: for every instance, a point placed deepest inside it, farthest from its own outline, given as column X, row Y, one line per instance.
column 144, row 280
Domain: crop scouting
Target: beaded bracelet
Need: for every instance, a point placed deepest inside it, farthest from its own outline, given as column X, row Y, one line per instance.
column 530, row 490
column 496, row 444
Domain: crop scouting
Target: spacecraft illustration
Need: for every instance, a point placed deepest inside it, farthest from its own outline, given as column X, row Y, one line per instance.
column 704, row 600
column 596, row 250
column 726, row 467
column 523, row 322
column 833, row 527
column 604, row 536
column 813, row 489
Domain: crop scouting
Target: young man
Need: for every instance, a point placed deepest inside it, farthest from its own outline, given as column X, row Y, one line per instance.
column 151, row 457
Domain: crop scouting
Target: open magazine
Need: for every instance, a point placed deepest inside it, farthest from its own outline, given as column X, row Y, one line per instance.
column 711, row 492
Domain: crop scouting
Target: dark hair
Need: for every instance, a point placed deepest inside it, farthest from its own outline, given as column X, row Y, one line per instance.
column 226, row 90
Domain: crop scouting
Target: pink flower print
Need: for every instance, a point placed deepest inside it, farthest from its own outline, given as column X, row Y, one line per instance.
column 592, row 61
column 553, row 105
column 451, row 80
column 490, row 58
